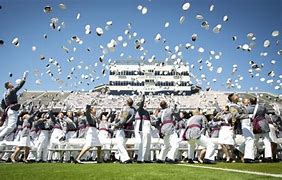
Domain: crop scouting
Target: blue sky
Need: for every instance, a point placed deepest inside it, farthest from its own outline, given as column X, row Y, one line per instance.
column 26, row 20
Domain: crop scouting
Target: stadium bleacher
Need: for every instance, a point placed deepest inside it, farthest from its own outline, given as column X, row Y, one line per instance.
column 75, row 101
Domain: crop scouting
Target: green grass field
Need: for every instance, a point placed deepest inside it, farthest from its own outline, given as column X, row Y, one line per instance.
column 133, row 171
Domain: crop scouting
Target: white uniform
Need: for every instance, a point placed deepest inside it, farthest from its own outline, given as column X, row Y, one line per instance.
column 144, row 133
column 194, row 134
column 11, row 102
column 92, row 138
column 104, row 137
column 42, row 145
column 56, row 134
column 248, row 147
column 124, row 123
column 9, row 127
column 171, row 145
column 120, row 137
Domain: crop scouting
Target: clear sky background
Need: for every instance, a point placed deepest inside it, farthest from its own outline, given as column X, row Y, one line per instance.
column 26, row 20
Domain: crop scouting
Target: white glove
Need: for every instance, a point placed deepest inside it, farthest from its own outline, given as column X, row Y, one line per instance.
column 25, row 75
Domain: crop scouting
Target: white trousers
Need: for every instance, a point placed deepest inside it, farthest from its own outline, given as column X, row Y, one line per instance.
column 7, row 155
column 202, row 141
column 8, row 127
column 120, row 137
column 12, row 118
column 54, row 142
column 143, row 140
column 248, row 147
column 267, row 144
column 42, row 145
column 69, row 135
column 144, row 147
column 170, row 147
column 272, row 135
column 104, row 137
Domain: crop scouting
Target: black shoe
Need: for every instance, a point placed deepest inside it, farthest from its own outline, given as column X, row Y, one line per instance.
column 148, row 162
column 8, row 160
column 170, row 161
column 159, row 161
column 77, row 161
column 127, row 162
column 207, row 161
column 190, row 161
column 249, row 161
column 267, row 160
column 139, row 162
column 99, row 161
column 2, row 161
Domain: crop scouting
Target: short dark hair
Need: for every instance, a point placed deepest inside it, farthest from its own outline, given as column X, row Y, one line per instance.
column 129, row 102
column 230, row 97
column 163, row 104
column 6, row 85
column 186, row 115
column 253, row 100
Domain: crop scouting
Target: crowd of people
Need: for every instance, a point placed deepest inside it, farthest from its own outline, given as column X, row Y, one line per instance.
column 210, row 137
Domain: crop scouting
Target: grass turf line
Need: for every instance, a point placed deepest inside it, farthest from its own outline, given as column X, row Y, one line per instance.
column 131, row 171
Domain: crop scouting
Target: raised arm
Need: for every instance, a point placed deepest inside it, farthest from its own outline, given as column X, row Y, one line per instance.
column 142, row 102
column 87, row 113
column 20, row 85
column 52, row 116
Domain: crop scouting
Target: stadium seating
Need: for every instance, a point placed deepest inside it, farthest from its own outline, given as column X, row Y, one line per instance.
column 76, row 101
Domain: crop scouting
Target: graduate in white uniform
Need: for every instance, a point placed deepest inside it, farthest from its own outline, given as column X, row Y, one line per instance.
column 71, row 132
column 44, row 125
column 261, row 129
column 226, row 133
column 170, row 149
column 241, row 117
column 104, row 134
column 275, row 126
column 248, row 146
column 59, row 129
column 92, row 139
column 24, row 142
column 195, row 135
column 143, row 129
column 124, row 127
column 11, row 107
